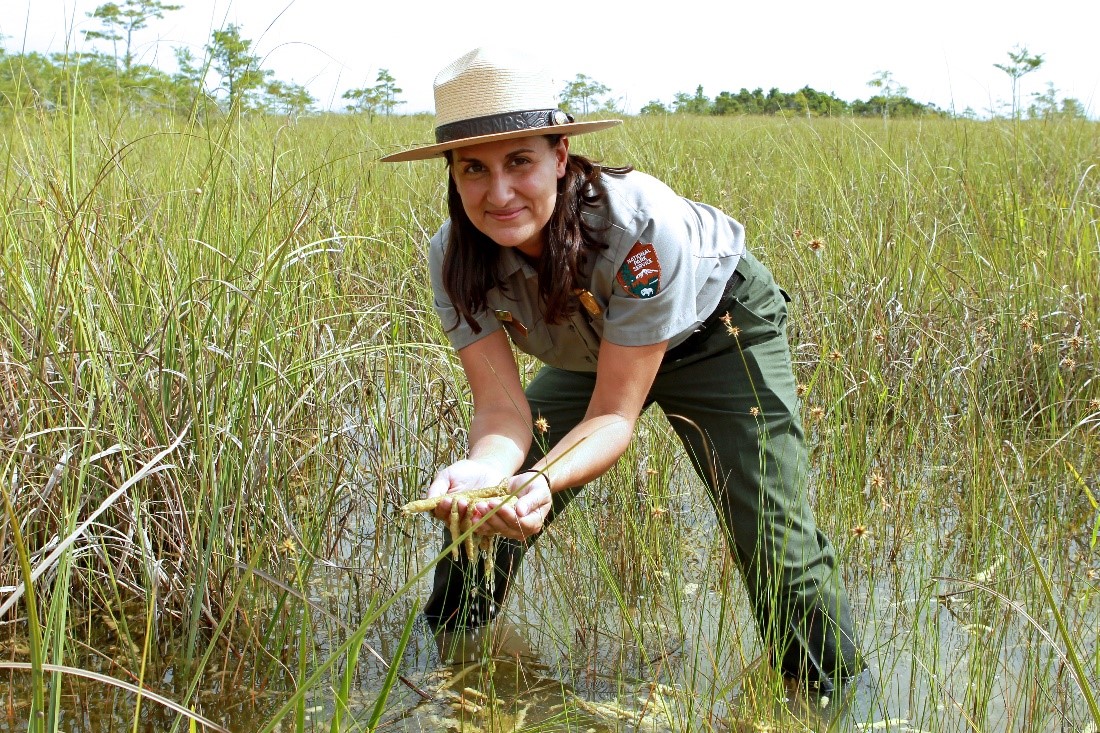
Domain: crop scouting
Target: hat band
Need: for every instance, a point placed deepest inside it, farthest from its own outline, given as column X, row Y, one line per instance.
column 506, row 122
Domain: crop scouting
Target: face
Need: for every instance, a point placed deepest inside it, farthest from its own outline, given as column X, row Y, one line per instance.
column 509, row 187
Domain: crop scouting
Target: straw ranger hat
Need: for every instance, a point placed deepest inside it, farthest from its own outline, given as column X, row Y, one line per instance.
column 494, row 94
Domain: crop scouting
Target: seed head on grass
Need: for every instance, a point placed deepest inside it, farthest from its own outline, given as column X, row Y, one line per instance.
column 817, row 414
column 816, row 245
column 731, row 329
column 1094, row 404
column 1075, row 343
column 877, row 480
column 542, row 424
column 798, row 234
column 288, row 547
column 1069, row 363
column 860, row 531
column 801, row 389
column 1036, row 349
column 835, row 356
column 754, row 411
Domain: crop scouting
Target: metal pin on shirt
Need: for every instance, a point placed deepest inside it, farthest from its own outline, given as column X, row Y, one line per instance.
column 508, row 319
column 588, row 300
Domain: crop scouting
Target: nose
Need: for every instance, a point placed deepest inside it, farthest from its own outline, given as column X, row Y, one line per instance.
column 500, row 190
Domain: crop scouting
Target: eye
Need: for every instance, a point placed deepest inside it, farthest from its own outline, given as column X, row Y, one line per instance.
column 471, row 169
column 520, row 160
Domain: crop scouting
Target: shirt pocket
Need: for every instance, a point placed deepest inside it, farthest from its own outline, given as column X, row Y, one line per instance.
column 588, row 319
column 582, row 333
column 533, row 339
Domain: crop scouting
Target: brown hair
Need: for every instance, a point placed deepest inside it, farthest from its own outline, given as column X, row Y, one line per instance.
column 471, row 261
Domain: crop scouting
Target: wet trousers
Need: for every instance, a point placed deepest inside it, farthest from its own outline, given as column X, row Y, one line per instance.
column 753, row 461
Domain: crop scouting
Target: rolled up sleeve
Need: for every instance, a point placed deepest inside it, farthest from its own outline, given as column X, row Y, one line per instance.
column 458, row 331
column 653, row 294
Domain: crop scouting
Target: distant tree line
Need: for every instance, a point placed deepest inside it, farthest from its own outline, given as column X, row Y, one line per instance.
column 806, row 102
column 50, row 81
column 229, row 75
column 890, row 99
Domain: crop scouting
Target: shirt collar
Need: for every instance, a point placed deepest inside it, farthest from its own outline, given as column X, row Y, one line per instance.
column 511, row 262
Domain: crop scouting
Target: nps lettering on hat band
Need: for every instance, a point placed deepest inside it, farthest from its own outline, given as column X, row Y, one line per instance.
column 495, row 124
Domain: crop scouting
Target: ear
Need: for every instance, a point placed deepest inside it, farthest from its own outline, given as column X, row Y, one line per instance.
column 561, row 152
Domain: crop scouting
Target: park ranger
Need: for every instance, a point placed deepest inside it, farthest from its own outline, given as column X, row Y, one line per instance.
column 630, row 295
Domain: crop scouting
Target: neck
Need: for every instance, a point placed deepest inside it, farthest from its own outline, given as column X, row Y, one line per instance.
column 532, row 251
column 531, row 259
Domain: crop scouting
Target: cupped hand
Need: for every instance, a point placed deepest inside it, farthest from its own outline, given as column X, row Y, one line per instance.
column 519, row 519
column 462, row 475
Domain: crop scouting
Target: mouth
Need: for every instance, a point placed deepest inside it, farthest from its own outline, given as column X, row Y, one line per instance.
column 504, row 214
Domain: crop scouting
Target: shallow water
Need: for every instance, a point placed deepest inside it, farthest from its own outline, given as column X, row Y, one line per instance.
column 602, row 637
column 942, row 654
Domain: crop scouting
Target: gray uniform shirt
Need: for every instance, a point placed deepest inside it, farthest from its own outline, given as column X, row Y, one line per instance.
column 663, row 272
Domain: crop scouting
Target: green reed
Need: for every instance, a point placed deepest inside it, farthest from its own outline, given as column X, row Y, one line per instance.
column 230, row 317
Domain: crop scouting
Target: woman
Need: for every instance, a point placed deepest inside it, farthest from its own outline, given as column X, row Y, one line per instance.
column 630, row 295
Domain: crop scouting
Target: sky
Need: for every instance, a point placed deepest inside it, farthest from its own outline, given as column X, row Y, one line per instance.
column 943, row 51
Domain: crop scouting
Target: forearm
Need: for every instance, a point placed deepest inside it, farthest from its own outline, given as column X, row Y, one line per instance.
column 588, row 451
column 624, row 375
column 500, row 438
column 500, row 430
column 584, row 453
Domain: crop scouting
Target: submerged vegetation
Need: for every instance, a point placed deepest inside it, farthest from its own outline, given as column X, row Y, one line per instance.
column 221, row 377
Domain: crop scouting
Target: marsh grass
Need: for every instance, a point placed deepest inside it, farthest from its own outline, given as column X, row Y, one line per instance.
column 231, row 320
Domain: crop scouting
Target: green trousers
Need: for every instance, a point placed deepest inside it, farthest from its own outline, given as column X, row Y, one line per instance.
column 732, row 402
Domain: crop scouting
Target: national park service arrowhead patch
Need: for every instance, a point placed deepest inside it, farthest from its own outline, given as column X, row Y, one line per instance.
column 640, row 274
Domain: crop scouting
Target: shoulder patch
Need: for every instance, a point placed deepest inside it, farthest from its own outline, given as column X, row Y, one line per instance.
column 640, row 274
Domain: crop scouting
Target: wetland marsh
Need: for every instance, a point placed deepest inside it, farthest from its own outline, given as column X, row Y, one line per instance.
column 221, row 377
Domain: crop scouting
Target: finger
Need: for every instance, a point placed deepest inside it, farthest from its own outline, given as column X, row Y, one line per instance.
column 442, row 510
column 529, row 528
column 489, row 527
column 501, row 522
column 439, row 484
column 529, row 503
column 533, row 523
column 525, row 483
column 525, row 529
column 496, row 521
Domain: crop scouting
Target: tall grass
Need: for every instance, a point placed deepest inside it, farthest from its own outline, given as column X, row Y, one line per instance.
column 231, row 321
